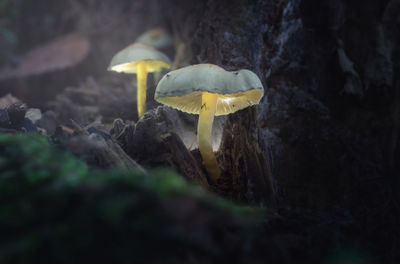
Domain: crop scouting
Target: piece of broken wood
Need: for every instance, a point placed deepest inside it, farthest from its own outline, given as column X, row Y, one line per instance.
column 152, row 142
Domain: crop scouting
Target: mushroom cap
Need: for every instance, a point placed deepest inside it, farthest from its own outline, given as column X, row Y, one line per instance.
column 157, row 38
column 182, row 89
column 128, row 59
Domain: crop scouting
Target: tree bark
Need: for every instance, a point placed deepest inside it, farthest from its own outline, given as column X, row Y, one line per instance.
column 321, row 132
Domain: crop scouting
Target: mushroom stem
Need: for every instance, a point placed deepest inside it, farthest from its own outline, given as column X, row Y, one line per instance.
column 157, row 75
column 204, row 128
column 179, row 56
column 141, row 88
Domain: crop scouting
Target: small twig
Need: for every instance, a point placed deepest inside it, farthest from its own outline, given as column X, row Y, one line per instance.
column 67, row 129
column 92, row 124
column 78, row 128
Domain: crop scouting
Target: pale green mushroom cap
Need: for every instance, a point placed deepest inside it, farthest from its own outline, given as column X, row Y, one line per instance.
column 182, row 88
column 128, row 59
column 157, row 38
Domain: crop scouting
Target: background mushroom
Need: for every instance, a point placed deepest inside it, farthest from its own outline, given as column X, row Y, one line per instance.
column 157, row 38
column 208, row 90
column 140, row 59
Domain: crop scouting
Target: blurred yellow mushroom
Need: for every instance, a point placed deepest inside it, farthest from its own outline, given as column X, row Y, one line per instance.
column 157, row 38
column 208, row 90
column 140, row 59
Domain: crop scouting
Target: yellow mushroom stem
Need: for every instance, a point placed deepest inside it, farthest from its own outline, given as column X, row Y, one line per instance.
column 204, row 128
column 157, row 75
column 179, row 56
column 141, row 88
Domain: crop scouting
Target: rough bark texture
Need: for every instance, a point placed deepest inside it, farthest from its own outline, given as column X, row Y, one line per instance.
column 247, row 176
column 328, row 67
column 328, row 126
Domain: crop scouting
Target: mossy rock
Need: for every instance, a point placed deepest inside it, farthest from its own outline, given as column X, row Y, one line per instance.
column 53, row 210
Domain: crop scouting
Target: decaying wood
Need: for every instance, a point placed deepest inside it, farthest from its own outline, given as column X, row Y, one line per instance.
column 16, row 113
column 106, row 99
column 247, row 176
column 99, row 152
column 7, row 100
column 153, row 142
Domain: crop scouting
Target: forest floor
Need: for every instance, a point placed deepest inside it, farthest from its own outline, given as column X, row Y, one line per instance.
column 83, row 180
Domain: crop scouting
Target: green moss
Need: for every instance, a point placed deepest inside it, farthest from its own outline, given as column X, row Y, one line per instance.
column 32, row 157
column 54, row 210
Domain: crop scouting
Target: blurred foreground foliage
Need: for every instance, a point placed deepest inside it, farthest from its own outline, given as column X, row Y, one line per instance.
column 54, row 210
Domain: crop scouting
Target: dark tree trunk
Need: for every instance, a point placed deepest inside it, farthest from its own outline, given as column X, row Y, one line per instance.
column 327, row 126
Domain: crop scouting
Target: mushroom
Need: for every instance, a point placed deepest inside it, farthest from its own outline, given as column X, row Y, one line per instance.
column 140, row 59
column 157, row 38
column 208, row 90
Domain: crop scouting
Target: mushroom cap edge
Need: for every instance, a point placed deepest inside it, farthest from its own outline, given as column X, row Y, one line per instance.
column 128, row 58
column 182, row 88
